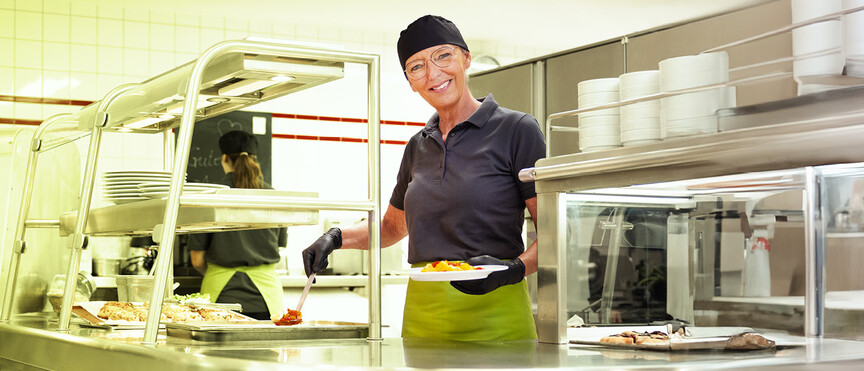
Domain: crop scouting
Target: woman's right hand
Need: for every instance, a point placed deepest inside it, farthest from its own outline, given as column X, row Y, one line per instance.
column 315, row 256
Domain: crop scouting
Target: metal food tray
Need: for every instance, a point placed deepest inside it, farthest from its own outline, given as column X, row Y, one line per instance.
column 266, row 330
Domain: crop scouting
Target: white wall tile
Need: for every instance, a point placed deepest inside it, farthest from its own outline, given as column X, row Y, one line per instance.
column 136, row 35
column 307, row 33
column 236, row 24
column 84, row 9
column 28, row 54
column 161, row 62
column 374, row 38
column 83, row 58
column 258, row 27
column 136, row 62
column 28, row 82
column 57, row 6
column 285, row 31
column 235, row 34
column 84, row 29
column 49, row 110
column 83, row 86
column 187, row 19
column 7, row 4
column 110, row 32
column 110, row 11
column 29, row 5
column 161, row 37
column 56, row 56
column 56, row 28
column 183, row 58
column 55, row 84
column 7, row 23
column 329, row 34
column 136, row 14
column 7, row 81
column 27, row 111
column 110, row 60
column 186, row 39
column 104, row 83
column 210, row 37
column 212, row 21
column 28, row 25
column 7, row 59
column 7, row 110
column 159, row 16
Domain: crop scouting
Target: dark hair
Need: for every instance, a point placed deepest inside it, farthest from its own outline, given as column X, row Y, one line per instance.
column 247, row 171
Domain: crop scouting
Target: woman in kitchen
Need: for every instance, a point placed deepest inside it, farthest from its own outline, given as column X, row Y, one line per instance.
column 240, row 266
column 459, row 198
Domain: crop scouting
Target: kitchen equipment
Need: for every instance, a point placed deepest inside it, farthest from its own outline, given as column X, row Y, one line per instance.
column 85, row 286
column 305, row 291
column 134, row 288
column 107, row 266
column 266, row 331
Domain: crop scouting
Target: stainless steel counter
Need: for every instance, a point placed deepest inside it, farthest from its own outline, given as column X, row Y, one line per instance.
column 28, row 341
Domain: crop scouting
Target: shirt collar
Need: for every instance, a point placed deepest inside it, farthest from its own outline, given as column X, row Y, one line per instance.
column 479, row 118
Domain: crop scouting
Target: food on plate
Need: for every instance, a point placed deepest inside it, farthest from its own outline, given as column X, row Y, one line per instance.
column 448, row 266
column 749, row 341
column 290, row 318
column 633, row 337
column 193, row 298
column 124, row 311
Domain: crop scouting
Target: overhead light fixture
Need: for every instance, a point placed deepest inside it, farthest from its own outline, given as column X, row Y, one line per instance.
column 143, row 122
column 282, row 78
column 245, row 86
column 204, row 101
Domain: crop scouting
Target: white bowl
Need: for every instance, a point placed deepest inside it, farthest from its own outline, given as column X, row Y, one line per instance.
column 854, row 37
column 598, row 85
column 639, row 84
column 597, row 98
column 600, row 120
column 651, row 123
column 589, row 141
column 643, row 134
column 694, row 70
column 697, row 104
column 640, row 110
column 599, row 131
column 598, row 148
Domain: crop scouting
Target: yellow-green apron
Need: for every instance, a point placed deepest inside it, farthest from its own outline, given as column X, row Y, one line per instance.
column 437, row 310
column 263, row 276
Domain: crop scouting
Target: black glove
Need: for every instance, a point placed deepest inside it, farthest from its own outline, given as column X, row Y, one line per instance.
column 514, row 273
column 315, row 256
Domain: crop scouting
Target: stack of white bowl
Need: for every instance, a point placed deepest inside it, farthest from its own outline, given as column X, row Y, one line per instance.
column 815, row 38
column 640, row 122
column 854, row 38
column 694, row 113
column 599, row 129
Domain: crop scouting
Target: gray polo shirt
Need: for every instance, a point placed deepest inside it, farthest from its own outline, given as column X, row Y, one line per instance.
column 463, row 198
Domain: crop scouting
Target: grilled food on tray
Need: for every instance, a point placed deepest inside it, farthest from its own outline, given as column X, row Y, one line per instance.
column 123, row 311
column 633, row 337
column 290, row 318
column 447, row 266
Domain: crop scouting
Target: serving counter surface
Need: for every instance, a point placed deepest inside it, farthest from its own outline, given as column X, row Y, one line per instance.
column 29, row 342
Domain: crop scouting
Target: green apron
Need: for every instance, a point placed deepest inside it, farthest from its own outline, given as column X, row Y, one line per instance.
column 437, row 310
column 263, row 276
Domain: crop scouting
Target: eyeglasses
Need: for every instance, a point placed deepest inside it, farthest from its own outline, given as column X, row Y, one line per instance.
column 441, row 57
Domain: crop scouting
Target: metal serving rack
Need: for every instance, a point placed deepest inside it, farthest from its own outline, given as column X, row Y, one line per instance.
column 763, row 138
column 227, row 76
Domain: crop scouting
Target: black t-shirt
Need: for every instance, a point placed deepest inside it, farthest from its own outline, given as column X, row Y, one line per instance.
column 240, row 248
column 463, row 198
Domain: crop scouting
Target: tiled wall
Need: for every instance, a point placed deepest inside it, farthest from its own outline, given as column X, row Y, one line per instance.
column 56, row 56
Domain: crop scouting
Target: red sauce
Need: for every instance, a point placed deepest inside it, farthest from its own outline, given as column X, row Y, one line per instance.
column 292, row 317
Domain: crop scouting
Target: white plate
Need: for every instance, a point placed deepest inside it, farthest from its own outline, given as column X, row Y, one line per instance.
column 139, row 179
column 417, row 275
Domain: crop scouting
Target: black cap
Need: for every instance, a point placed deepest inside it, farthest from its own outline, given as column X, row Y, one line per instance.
column 238, row 141
column 426, row 31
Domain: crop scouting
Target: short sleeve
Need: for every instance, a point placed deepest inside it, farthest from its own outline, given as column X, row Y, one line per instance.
column 528, row 147
column 397, row 198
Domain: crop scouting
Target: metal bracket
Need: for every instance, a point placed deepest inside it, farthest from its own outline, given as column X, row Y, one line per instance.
column 606, row 225
column 100, row 119
column 157, row 233
column 18, row 247
column 36, row 145
column 77, row 241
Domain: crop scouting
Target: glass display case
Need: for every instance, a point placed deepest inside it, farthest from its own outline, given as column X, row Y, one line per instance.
column 758, row 226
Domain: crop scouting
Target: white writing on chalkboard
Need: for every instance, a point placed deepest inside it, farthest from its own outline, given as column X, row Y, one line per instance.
column 211, row 158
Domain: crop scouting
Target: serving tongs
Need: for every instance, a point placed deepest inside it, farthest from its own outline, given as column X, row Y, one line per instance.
column 305, row 291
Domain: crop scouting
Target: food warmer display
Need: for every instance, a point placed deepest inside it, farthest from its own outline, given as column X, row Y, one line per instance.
column 226, row 77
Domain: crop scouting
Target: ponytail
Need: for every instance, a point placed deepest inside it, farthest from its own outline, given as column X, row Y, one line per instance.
column 247, row 171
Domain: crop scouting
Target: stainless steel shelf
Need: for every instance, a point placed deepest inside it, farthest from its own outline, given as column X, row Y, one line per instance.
column 237, row 211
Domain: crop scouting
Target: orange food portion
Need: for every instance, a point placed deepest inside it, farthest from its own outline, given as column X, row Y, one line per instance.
column 292, row 317
column 447, row 266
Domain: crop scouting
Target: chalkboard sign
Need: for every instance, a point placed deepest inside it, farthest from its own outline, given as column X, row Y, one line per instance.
column 205, row 159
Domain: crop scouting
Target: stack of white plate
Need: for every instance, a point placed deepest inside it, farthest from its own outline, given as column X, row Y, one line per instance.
column 640, row 122
column 121, row 186
column 822, row 38
column 599, row 129
column 693, row 113
column 159, row 189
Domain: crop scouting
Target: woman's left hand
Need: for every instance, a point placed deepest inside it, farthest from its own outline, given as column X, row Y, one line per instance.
column 514, row 273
